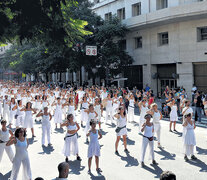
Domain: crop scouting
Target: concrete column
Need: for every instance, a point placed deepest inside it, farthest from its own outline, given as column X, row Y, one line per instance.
column 74, row 76
column 186, row 79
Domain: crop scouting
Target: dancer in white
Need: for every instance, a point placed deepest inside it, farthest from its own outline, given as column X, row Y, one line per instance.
column 148, row 130
column 21, row 157
column 99, row 110
column 4, row 137
column 84, row 115
column 37, row 106
column 157, row 116
column 58, row 119
column 131, row 108
column 46, row 126
column 189, row 137
column 28, row 120
column 121, row 129
column 173, row 114
column 6, row 108
column 71, row 108
column 92, row 115
column 109, row 108
column 143, row 107
column 115, row 104
column 12, row 112
column 71, row 138
column 94, row 147
column 19, row 117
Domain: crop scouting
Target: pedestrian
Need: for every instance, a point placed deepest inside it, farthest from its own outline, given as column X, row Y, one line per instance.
column 4, row 138
column 173, row 114
column 12, row 112
column 58, row 119
column 148, row 130
column 21, row 157
column 19, row 117
column 98, row 109
column 131, row 108
column 157, row 116
column 46, row 126
column 199, row 103
column 71, row 138
column 84, row 106
column 6, row 108
column 109, row 108
column 94, row 147
column 121, row 129
column 189, row 137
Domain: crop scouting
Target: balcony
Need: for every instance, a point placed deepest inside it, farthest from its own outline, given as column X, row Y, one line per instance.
column 169, row 15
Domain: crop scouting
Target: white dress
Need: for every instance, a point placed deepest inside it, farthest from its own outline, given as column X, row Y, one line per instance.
column 156, row 124
column 46, row 128
column 84, row 115
column 94, row 147
column 189, row 140
column 58, row 114
column 21, row 157
column 28, row 120
column 173, row 114
column 131, row 110
column 121, row 122
column 71, row 143
column 12, row 114
column 97, row 109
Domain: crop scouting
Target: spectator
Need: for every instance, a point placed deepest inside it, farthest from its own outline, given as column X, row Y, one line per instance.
column 194, row 89
column 199, row 103
column 147, row 88
column 63, row 169
column 167, row 175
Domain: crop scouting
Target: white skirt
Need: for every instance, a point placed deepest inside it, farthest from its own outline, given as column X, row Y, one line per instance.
column 93, row 149
column 28, row 122
column 122, row 132
column 19, row 122
column 84, row 115
column 173, row 117
column 71, row 146
column 189, row 137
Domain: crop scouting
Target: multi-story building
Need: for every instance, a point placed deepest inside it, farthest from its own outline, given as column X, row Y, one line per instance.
column 167, row 40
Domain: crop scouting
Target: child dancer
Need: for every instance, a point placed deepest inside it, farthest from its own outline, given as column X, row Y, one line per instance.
column 94, row 147
column 189, row 137
column 71, row 138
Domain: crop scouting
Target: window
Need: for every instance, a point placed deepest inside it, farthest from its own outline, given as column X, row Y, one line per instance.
column 108, row 16
column 136, row 9
column 163, row 38
column 121, row 13
column 138, row 42
column 202, row 33
column 122, row 44
column 161, row 4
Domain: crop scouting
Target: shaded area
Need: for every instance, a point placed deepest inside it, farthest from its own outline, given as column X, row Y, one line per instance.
column 166, row 155
column 199, row 164
column 5, row 176
column 130, row 161
column 76, row 167
column 47, row 150
column 155, row 170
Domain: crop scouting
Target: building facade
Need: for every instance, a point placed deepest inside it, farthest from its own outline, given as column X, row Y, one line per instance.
column 167, row 40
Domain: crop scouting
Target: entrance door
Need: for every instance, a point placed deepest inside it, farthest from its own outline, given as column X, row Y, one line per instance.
column 172, row 83
column 200, row 76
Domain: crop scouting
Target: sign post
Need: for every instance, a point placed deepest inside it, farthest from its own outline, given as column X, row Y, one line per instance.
column 91, row 50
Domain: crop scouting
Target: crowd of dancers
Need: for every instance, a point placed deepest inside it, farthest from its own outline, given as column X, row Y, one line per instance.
column 23, row 104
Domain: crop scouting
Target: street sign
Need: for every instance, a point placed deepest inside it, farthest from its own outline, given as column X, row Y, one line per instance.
column 91, row 50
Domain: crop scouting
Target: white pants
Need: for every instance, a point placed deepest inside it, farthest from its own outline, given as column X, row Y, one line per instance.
column 26, row 175
column 8, row 150
column 46, row 131
column 130, row 114
column 109, row 112
column 6, row 114
column 145, row 142
column 157, row 130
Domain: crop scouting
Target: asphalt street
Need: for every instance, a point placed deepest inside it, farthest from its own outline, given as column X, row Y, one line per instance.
column 44, row 161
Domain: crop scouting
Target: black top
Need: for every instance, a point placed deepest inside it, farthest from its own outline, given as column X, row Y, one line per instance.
column 199, row 102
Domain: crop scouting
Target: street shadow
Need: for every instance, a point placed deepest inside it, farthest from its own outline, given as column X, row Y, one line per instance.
column 31, row 140
column 76, row 167
column 155, row 170
column 178, row 133
column 129, row 141
column 5, row 176
column 131, row 161
column 47, row 150
column 166, row 155
column 136, row 124
column 129, row 130
column 111, row 125
column 201, row 151
column 38, row 122
column 59, row 130
column 199, row 164
column 103, row 132
column 98, row 177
